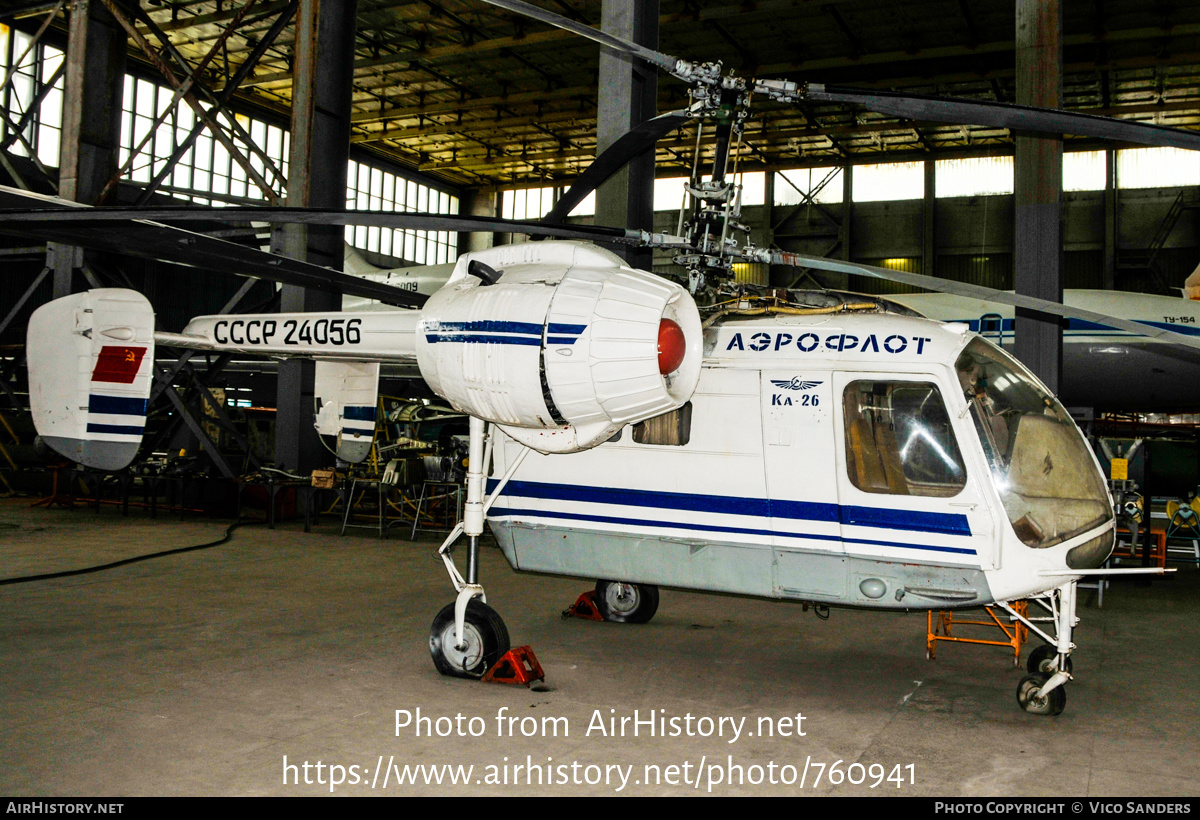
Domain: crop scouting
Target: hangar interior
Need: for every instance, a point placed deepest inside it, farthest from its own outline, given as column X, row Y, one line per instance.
column 302, row 638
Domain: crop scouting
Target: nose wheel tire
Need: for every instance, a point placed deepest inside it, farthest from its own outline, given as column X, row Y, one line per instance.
column 1052, row 704
column 1041, row 660
column 485, row 640
column 626, row 603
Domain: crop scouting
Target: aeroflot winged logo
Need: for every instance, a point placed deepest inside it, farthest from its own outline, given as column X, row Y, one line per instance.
column 794, row 384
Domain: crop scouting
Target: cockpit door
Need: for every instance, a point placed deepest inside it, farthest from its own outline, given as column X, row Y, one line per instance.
column 910, row 488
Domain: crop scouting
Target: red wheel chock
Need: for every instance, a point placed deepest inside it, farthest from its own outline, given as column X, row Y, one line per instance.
column 584, row 607
column 518, row 665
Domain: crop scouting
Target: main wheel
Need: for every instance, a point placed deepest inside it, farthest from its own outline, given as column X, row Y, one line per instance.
column 1042, row 660
column 626, row 603
column 485, row 640
column 1052, row 704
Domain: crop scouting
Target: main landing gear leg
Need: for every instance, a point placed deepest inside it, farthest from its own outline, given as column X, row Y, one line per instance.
column 468, row 638
column 1042, row 692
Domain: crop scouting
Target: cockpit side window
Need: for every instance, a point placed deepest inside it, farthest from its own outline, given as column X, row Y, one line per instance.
column 899, row 440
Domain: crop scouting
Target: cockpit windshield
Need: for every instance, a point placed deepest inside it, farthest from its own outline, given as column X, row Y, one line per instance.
column 1041, row 464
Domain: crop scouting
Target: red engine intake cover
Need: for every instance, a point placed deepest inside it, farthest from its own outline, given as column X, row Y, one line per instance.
column 672, row 345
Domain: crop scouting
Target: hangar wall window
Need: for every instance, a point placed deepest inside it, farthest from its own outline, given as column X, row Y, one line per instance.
column 587, row 207
column 1157, row 168
column 977, row 176
column 527, row 203
column 899, row 440
column 888, row 181
column 206, row 173
column 754, row 188
column 669, row 192
column 824, row 185
column 534, row 203
column 372, row 188
column 1083, row 171
column 38, row 74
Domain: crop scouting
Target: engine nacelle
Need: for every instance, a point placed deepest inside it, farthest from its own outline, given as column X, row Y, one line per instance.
column 567, row 347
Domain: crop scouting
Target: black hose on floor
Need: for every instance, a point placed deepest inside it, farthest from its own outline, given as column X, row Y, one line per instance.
column 100, row 568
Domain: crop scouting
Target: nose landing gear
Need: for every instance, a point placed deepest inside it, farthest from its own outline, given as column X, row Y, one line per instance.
column 1042, row 692
column 1030, row 699
column 1045, row 660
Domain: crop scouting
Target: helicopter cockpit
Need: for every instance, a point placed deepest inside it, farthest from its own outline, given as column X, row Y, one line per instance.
column 1041, row 464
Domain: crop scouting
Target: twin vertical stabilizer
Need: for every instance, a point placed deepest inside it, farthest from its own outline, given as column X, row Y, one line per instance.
column 91, row 357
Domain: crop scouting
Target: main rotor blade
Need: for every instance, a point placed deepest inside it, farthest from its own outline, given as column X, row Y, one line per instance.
column 641, row 139
column 170, row 244
column 959, row 111
column 151, row 240
column 663, row 61
column 975, row 292
column 96, row 217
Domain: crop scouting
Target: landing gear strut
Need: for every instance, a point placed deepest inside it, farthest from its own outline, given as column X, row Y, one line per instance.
column 1042, row 692
column 468, row 636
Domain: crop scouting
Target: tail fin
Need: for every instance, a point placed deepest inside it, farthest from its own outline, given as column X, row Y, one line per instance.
column 354, row 264
column 1191, row 286
column 91, row 360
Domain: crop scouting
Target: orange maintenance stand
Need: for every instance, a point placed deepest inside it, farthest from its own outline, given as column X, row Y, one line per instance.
column 1015, row 633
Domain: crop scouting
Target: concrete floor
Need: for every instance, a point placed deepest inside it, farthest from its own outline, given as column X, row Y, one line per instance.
column 200, row 673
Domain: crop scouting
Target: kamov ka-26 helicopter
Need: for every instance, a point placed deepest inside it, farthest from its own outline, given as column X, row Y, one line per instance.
column 821, row 448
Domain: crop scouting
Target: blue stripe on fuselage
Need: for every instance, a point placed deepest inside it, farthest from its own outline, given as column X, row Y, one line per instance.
column 491, row 331
column 906, row 520
column 434, row 338
column 1084, row 327
column 485, row 326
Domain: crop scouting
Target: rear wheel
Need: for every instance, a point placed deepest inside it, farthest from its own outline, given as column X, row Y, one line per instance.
column 485, row 640
column 626, row 603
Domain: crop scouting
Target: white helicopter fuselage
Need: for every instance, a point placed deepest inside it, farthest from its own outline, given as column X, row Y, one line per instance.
column 1103, row 368
column 754, row 494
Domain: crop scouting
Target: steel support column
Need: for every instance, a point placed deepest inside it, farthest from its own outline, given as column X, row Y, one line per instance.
column 91, row 119
column 928, row 221
column 320, row 145
column 628, row 97
column 1110, row 219
column 479, row 202
column 1038, row 199
column 845, row 235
